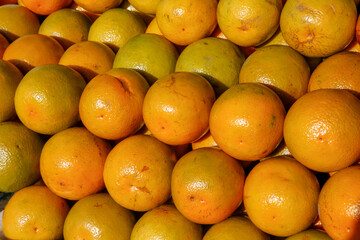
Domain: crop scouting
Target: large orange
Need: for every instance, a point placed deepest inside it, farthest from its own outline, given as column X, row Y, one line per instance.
column 207, row 185
column 96, row 6
column 45, row 7
column 72, row 163
column 322, row 129
column 246, row 121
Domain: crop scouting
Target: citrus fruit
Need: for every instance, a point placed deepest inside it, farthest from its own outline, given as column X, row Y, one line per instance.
column 10, row 77
column 98, row 6
column 111, row 104
column 165, row 222
column 88, row 58
column 20, row 156
column 145, row 6
column 3, row 45
column 33, row 50
column 137, row 172
column 47, row 98
column 246, row 121
column 45, row 7
column 310, row 234
column 177, row 107
column 98, row 216
column 67, row 26
column 276, row 190
column 318, row 28
column 216, row 59
column 322, row 129
column 185, row 21
column 207, row 185
column 34, row 212
column 72, row 163
column 115, row 27
column 339, row 209
column 150, row 54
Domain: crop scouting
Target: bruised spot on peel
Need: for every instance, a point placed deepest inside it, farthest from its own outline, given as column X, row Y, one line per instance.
column 273, row 119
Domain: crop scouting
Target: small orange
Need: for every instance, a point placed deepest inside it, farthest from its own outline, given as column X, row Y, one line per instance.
column 246, row 121
column 3, row 45
column 310, row 234
column 72, row 163
column 322, row 129
column 88, row 58
column 96, row 6
column 33, row 50
column 34, row 213
column 339, row 209
column 177, row 107
column 45, row 7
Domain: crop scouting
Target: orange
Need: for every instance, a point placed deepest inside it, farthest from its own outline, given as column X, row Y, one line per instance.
column 281, row 68
column 165, row 222
column 340, row 71
column 235, row 228
column 177, row 107
column 72, row 163
column 98, row 6
column 322, row 129
column 207, row 185
column 67, row 26
column 115, row 27
column 137, row 172
column 153, row 27
column 249, row 22
column 185, row 21
column 111, row 105
column 88, row 58
column 17, row 21
column 216, row 59
column 310, row 234
column 278, row 189
column 47, row 98
column 10, row 77
column 246, row 121
column 3, row 45
column 91, row 15
column 33, row 50
column 45, row 7
column 339, row 209
column 34, row 213
column 20, row 156
column 98, row 216
column 145, row 6
column 318, row 28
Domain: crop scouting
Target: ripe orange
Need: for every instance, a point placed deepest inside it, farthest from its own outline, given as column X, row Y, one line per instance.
column 177, row 107
column 246, row 121
column 3, row 45
column 310, row 234
column 207, row 185
column 45, row 7
column 72, row 163
column 96, row 6
column 322, row 129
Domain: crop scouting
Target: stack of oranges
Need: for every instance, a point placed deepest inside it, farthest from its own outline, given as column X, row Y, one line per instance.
column 180, row 119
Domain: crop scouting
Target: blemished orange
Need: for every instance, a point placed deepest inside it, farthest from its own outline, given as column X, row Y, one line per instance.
column 246, row 121
column 47, row 98
column 137, row 172
column 165, row 222
column 248, row 22
column 233, row 228
column 96, row 6
column 177, row 107
column 35, row 213
column 111, row 104
column 185, row 21
column 339, row 71
column 88, row 58
column 276, row 190
column 45, row 7
column 318, row 28
column 322, row 129
column 67, row 26
column 72, row 163
column 17, row 21
column 33, row 50
column 100, row 212
column 196, row 188
column 310, row 234
column 339, row 210
column 3, row 45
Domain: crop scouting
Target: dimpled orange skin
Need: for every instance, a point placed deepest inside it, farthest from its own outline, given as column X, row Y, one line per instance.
column 72, row 163
column 176, row 108
column 45, row 7
column 322, row 129
column 339, row 209
column 185, row 21
column 280, row 196
column 246, row 121
column 207, row 185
